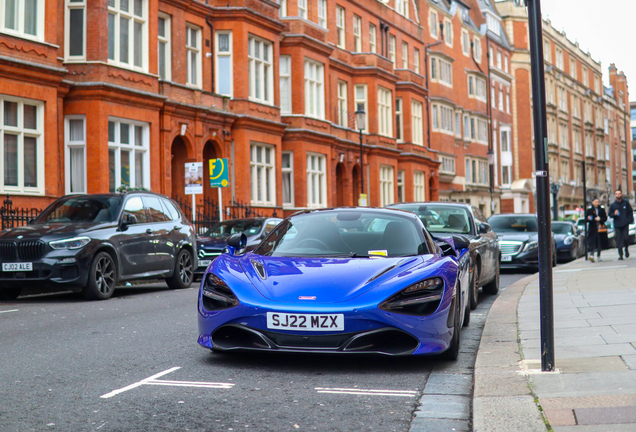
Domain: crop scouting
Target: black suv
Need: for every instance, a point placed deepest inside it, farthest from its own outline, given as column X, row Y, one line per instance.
column 89, row 243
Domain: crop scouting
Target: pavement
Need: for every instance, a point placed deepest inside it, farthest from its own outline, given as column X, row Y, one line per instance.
column 593, row 388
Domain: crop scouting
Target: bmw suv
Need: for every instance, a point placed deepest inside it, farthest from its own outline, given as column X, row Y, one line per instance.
column 89, row 243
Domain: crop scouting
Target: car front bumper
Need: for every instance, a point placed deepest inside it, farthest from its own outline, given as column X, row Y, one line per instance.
column 529, row 259
column 53, row 271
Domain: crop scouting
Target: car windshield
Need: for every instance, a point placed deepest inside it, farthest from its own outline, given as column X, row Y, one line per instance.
column 82, row 209
column 513, row 223
column 440, row 218
column 561, row 228
column 225, row 229
column 346, row 233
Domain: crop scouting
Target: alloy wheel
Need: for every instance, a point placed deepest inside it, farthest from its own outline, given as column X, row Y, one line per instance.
column 105, row 275
column 185, row 269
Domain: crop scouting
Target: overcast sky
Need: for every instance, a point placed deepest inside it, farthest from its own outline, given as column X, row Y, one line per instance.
column 604, row 27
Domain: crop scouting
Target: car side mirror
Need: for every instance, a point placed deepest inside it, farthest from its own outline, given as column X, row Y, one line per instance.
column 126, row 220
column 484, row 228
column 461, row 242
column 236, row 242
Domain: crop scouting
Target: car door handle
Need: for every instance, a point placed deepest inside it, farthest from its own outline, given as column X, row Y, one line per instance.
column 149, row 231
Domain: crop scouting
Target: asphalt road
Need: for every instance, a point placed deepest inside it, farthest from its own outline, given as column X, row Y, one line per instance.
column 67, row 364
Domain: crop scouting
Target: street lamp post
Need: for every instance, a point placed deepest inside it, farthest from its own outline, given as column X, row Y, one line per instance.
column 360, row 119
column 491, row 166
column 554, row 189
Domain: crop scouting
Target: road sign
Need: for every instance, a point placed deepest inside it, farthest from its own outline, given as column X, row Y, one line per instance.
column 219, row 173
column 193, row 178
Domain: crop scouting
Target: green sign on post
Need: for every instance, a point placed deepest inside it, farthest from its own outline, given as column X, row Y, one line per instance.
column 219, row 173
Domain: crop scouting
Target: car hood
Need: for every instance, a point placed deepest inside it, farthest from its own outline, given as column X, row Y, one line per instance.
column 521, row 237
column 324, row 280
column 52, row 231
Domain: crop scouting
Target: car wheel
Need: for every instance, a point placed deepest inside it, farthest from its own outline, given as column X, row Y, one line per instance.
column 473, row 292
column 492, row 287
column 554, row 256
column 466, row 315
column 183, row 271
column 453, row 350
column 574, row 252
column 102, row 278
column 10, row 293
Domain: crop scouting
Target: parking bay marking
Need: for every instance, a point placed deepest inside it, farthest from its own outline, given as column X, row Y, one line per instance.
column 11, row 310
column 356, row 391
column 153, row 380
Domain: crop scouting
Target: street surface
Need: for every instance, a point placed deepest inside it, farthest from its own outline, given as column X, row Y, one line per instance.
column 131, row 363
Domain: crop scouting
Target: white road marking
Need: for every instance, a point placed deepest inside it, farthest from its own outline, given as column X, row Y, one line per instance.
column 590, row 268
column 154, row 381
column 12, row 310
column 356, row 391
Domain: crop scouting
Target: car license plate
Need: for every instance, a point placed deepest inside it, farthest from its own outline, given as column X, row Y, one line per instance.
column 506, row 258
column 204, row 263
column 308, row 322
column 16, row 267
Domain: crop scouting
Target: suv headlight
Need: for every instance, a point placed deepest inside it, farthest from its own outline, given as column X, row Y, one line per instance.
column 531, row 245
column 568, row 240
column 72, row 243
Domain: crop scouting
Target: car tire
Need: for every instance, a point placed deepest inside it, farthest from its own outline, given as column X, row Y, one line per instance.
column 492, row 287
column 453, row 350
column 473, row 292
column 466, row 315
column 554, row 256
column 10, row 293
column 102, row 278
column 183, row 273
column 574, row 252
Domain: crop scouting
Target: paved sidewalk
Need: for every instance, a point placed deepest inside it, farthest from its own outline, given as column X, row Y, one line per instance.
column 594, row 387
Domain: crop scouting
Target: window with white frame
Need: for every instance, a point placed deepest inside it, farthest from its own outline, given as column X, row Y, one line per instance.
column 340, row 26
column 565, row 172
column 400, row 186
column 314, row 89
column 491, row 56
column 499, row 59
column 493, row 99
column 392, row 48
column 467, row 132
column 75, row 154
column 585, row 77
column 419, row 191
column 342, row 111
column 128, row 155
column 405, row 55
column 316, row 180
column 563, row 135
column 357, row 33
column 285, row 85
column 385, row 114
column 572, row 68
column 128, row 33
column 75, row 40
column 402, row 7
column 563, row 99
column 477, row 87
column 22, row 139
column 416, row 60
column 458, row 124
column 500, row 105
column 322, row 13
column 482, row 131
column 260, row 70
column 399, row 120
column 164, row 57
column 506, row 157
column 448, row 165
column 465, row 43
column 448, row 32
column 506, row 64
column 224, row 64
column 508, row 101
column 361, row 102
column 417, row 123
column 387, row 192
column 505, row 140
column 22, row 18
column 493, row 24
column 432, row 22
column 193, row 56
column 547, row 53
column 372, row 38
column 263, row 175
column 282, row 12
column 477, row 172
column 596, row 85
column 441, row 71
column 443, row 118
column 559, row 58
column 477, row 48
column 287, row 162
column 302, row 8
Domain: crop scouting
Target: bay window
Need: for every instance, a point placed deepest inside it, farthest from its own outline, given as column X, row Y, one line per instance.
column 261, row 72
column 128, row 33
column 387, row 192
column 22, row 18
column 224, row 65
column 314, row 89
column 419, row 192
column 316, row 180
column 75, row 24
column 75, row 154
column 385, row 114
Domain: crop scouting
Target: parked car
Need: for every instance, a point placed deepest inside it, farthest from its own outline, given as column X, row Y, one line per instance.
column 344, row 280
column 519, row 240
column 570, row 241
column 213, row 242
column 89, row 243
column 443, row 219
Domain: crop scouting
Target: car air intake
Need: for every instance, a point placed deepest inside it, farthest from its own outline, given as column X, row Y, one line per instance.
column 390, row 342
column 235, row 337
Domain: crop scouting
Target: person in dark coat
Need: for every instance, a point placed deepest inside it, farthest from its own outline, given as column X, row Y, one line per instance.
column 594, row 216
column 623, row 214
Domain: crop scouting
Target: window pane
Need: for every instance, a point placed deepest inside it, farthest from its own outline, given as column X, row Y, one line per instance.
column 30, row 162
column 286, row 160
column 225, row 77
column 10, row 160
column 30, row 117
column 139, row 7
column 111, row 170
column 31, row 17
column 76, row 130
column 224, row 42
column 124, row 133
column 139, row 134
column 111, row 131
column 162, row 27
column 123, row 39
column 77, row 169
column 111, row 36
column 123, row 5
column 287, row 187
column 138, row 35
column 10, row 113
column 139, row 169
column 76, row 32
column 125, row 167
column 11, row 9
column 162, row 60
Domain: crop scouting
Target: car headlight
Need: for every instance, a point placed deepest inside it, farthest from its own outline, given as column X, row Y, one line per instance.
column 531, row 245
column 72, row 243
column 421, row 298
column 216, row 294
column 568, row 240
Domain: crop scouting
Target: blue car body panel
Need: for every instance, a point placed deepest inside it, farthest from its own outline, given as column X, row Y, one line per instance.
column 354, row 287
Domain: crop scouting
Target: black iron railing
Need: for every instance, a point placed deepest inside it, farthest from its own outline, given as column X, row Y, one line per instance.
column 13, row 217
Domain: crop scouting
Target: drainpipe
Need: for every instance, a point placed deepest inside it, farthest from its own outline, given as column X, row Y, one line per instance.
column 382, row 38
column 428, row 102
column 207, row 20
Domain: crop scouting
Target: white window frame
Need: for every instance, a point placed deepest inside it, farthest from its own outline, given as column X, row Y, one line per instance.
column 340, row 27
column 441, row 71
column 263, row 64
column 288, row 171
column 316, row 177
column 282, row 12
column 448, row 165
column 114, row 10
column 262, row 175
column 387, row 181
column 165, row 42
column 448, row 32
column 400, row 185
column 506, row 63
column 585, row 76
column 372, row 38
column 405, row 55
column 76, row 144
column 417, row 125
column 402, row 7
column 342, row 108
column 70, row 5
column 392, row 49
column 465, row 43
column 481, row 134
column 285, row 82
column 314, row 89
column 20, row 131
column 302, row 9
column 416, row 60
column 385, row 114
column 21, row 16
column 357, row 33
column 399, row 119
column 477, row 48
column 559, row 58
column 433, row 24
column 194, row 50
column 322, row 13
column 443, row 119
column 499, row 59
column 477, row 87
column 224, row 75
column 477, row 171
column 364, row 103
column 419, row 186
column 118, row 146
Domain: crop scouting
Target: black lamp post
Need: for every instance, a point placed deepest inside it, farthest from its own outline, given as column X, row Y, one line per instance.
column 360, row 119
column 491, row 171
column 554, row 190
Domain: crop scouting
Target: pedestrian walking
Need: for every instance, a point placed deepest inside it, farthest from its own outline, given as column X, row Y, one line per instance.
column 595, row 216
column 623, row 214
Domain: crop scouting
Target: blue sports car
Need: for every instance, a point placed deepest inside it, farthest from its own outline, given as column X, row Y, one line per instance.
column 345, row 280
